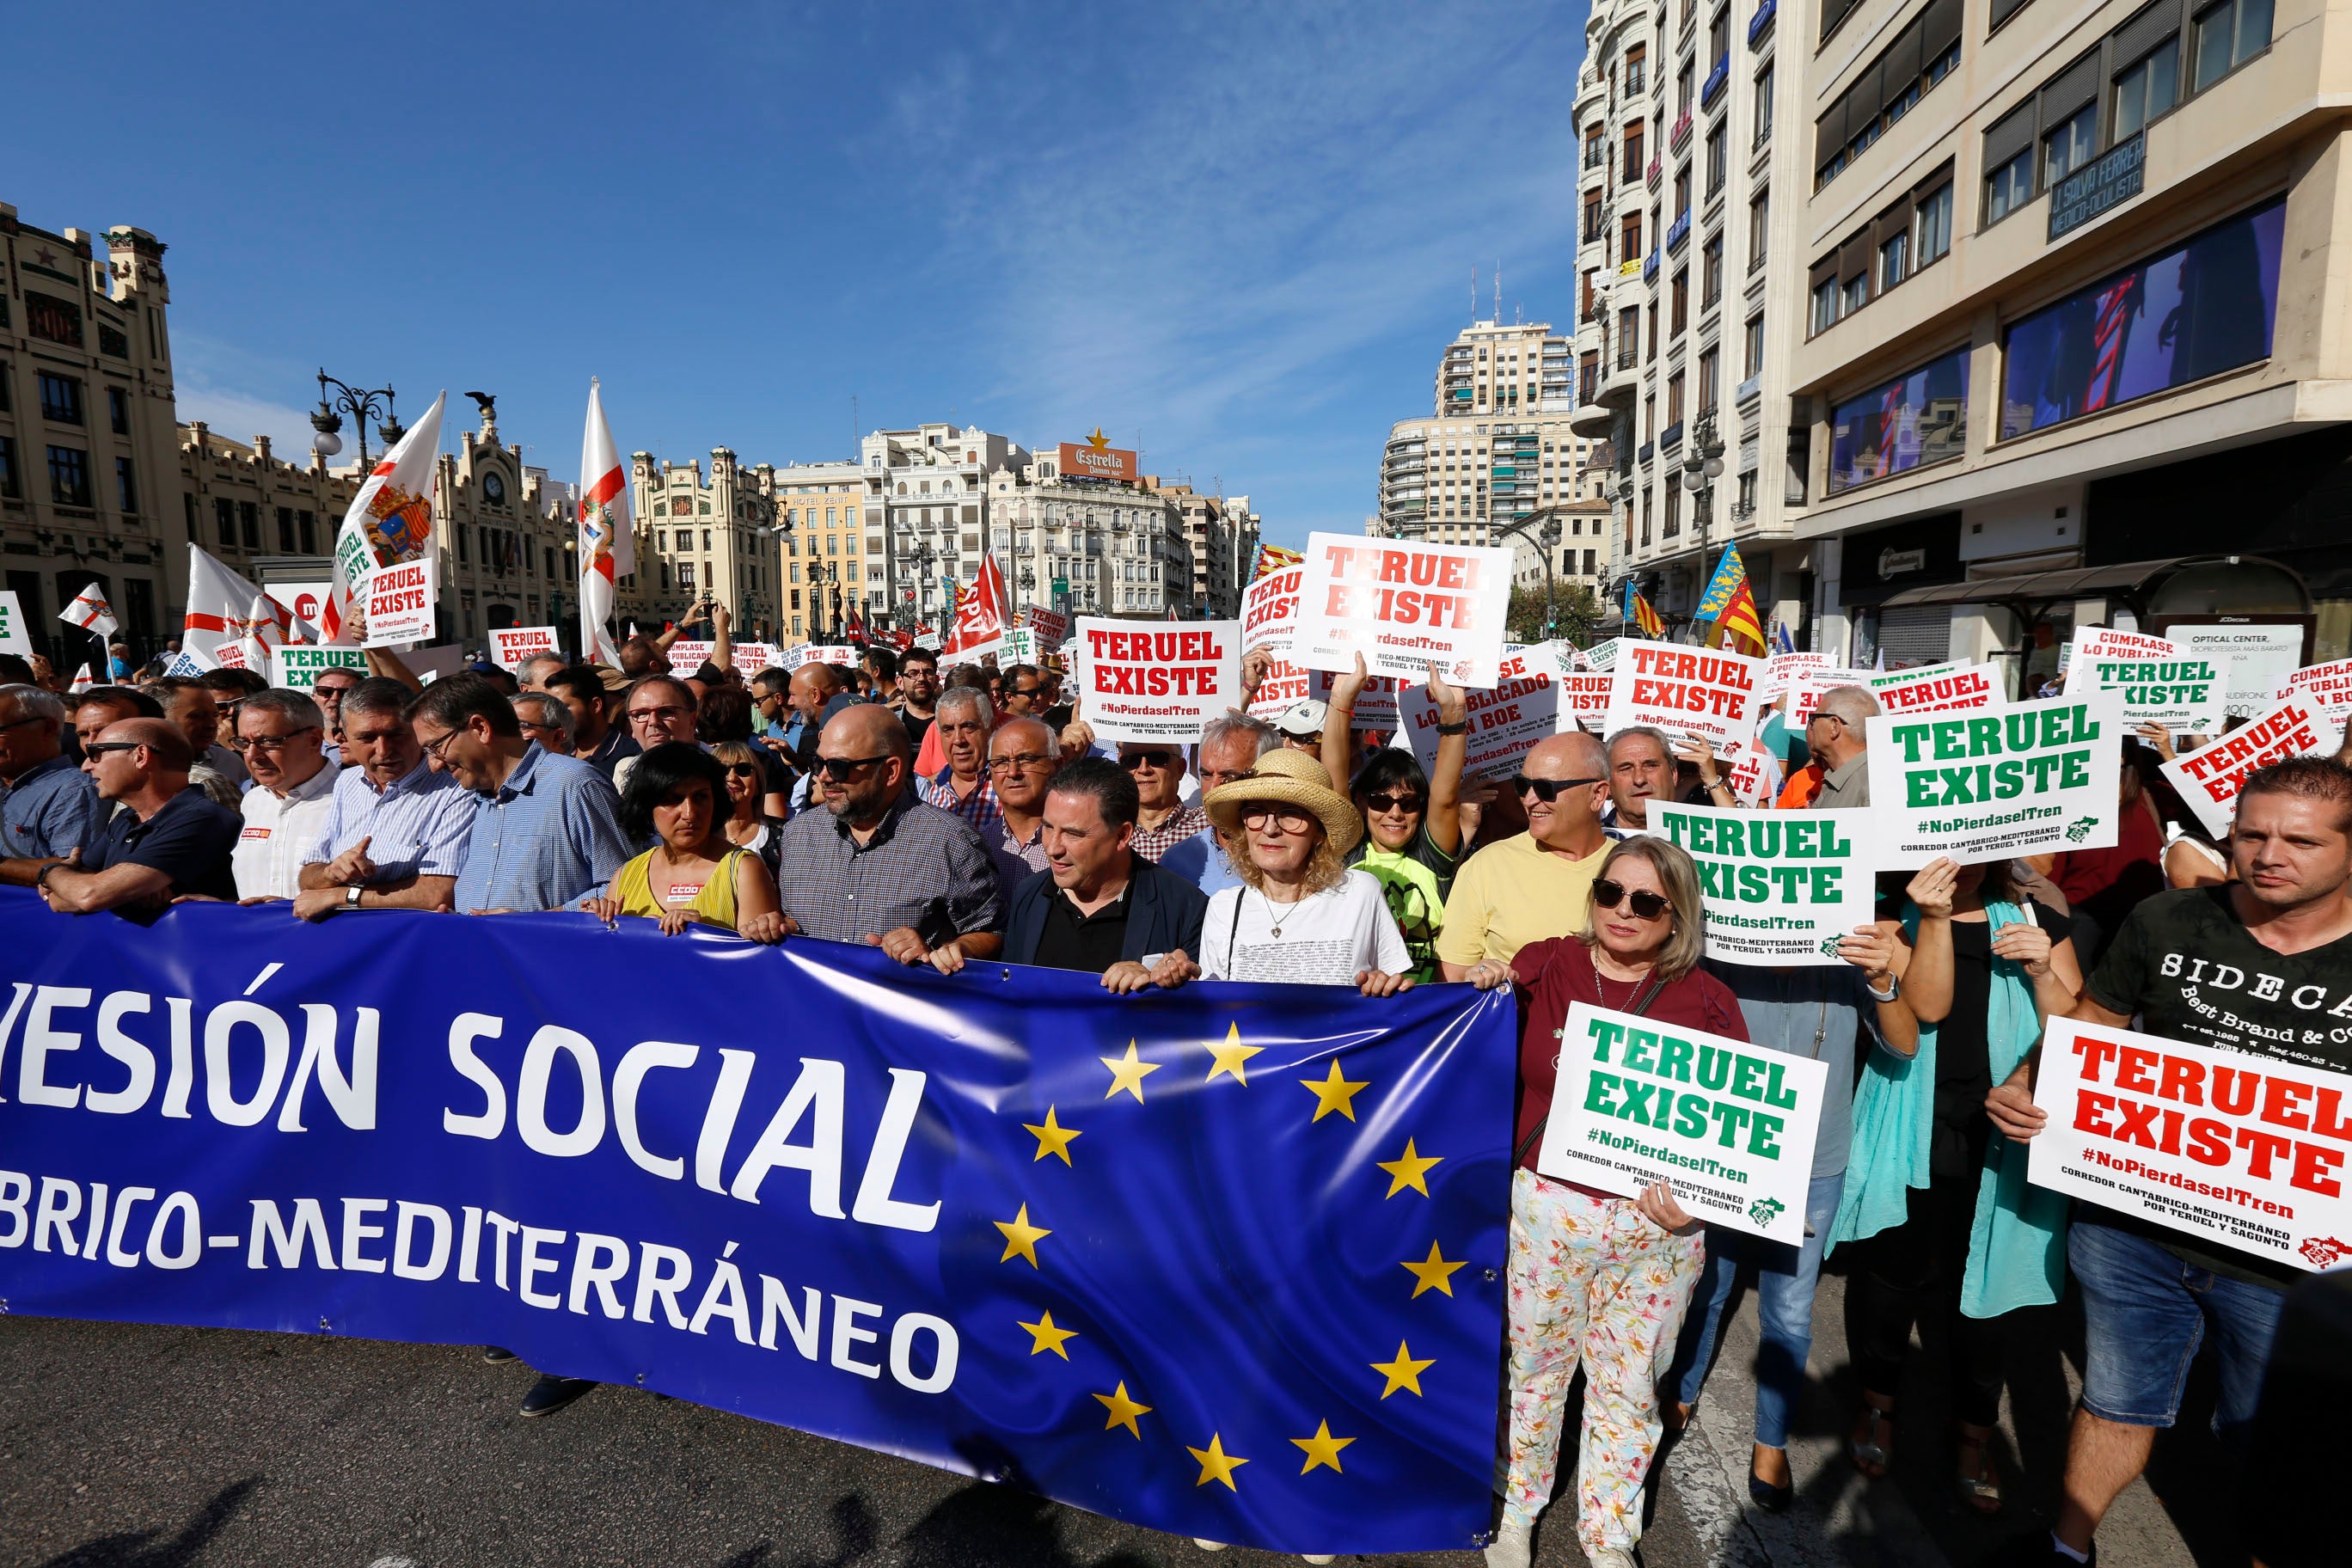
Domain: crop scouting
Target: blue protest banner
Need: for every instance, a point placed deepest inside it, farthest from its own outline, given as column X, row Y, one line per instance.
column 1224, row 1262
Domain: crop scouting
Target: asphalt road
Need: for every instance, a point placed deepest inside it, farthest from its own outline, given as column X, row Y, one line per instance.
column 126, row 1447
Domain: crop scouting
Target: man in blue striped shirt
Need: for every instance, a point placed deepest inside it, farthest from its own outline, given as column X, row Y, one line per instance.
column 396, row 832
column 49, row 806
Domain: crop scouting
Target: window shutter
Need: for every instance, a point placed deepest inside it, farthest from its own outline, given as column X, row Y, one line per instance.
column 1853, row 256
column 2073, row 88
column 2002, row 10
column 2146, row 31
column 1829, row 133
column 1900, row 65
column 1825, row 270
column 1862, row 103
column 1940, row 27
column 1894, row 220
column 2008, row 137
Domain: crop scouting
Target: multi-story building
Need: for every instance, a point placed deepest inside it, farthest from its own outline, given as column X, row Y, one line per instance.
column 2070, row 302
column 821, row 508
column 1093, row 545
column 927, row 503
column 698, row 536
column 1221, row 535
column 1685, row 186
column 265, row 519
column 508, row 548
column 88, row 444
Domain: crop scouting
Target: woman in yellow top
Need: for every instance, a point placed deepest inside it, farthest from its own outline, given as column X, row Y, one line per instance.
column 693, row 875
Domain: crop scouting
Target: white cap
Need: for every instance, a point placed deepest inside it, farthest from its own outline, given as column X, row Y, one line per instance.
column 1303, row 719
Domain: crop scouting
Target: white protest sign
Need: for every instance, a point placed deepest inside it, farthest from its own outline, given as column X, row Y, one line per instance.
column 687, row 654
column 2159, row 681
column 1504, row 722
column 297, row 669
column 1019, row 647
column 1404, row 605
column 825, row 653
column 2208, row 778
column 1755, row 774
column 750, row 657
column 2329, row 684
column 2255, row 659
column 399, row 599
column 1603, row 656
column 1376, row 705
column 1703, row 693
column 2225, row 1146
column 1937, row 688
column 1270, row 610
column 1728, row 1125
column 1806, row 694
column 509, row 645
column 1784, row 671
column 1052, row 626
column 2025, row 778
column 1781, row 887
column 1158, row 681
column 1283, row 685
column 929, row 641
column 1584, row 701
column 14, row 637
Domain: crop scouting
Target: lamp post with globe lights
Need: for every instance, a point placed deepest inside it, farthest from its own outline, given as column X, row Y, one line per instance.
column 1702, row 466
column 362, row 407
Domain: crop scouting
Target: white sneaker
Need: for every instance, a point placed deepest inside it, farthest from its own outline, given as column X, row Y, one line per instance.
column 1208, row 1545
column 1513, row 1546
column 1609, row 1557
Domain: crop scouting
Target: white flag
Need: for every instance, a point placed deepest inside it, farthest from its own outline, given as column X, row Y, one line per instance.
column 390, row 520
column 228, row 617
column 91, row 612
column 81, row 680
column 607, row 543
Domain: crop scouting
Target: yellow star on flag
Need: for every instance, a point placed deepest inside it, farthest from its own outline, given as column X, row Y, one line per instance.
column 1333, row 1093
column 1432, row 1273
column 1407, row 1170
column 1044, row 1336
column 1128, row 1072
column 1321, row 1448
column 1216, row 1465
column 1053, row 1138
column 1404, row 1371
column 1123, row 1410
column 1020, row 1238
column 1232, row 1057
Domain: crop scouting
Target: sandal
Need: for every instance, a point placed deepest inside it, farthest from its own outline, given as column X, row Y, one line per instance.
column 1870, row 1455
column 1981, row 1486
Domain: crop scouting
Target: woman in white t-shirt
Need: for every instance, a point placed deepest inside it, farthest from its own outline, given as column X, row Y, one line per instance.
column 1300, row 915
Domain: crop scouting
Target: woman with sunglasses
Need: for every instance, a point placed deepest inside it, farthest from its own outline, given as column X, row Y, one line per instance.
column 693, row 875
column 1943, row 1222
column 724, row 713
column 1412, row 823
column 1595, row 1279
column 748, row 826
column 1299, row 914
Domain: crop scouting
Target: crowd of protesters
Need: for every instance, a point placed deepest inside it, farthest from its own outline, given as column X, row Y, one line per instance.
column 980, row 817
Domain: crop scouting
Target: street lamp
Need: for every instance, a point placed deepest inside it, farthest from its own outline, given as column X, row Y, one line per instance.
column 1702, row 466
column 362, row 407
column 1546, row 538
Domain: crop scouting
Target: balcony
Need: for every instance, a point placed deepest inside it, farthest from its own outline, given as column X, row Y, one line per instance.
column 1678, row 231
column 1747, row 389
column 1593, row 421
column 1670, row 437
column 1650, row 263
column 1679, row 136
column 1762, row 23
column 1716, row 79
column 1648, row 449
column 1636, row 76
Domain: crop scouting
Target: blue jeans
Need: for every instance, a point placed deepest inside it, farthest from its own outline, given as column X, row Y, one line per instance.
column 2144, row 1314
column 1785, row 1277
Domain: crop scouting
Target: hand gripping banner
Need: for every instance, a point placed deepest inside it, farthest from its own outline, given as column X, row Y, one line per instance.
column 1223, row 1261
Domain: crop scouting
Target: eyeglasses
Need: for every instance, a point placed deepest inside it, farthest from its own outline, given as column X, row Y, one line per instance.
column 267, row 743
column 1546, row 789
column 1607, row 892
column 840, row 768
column 1289, row 818
column 658, row 715
column 20, row 723
column 435, row 748
column 98, row 748
column 1821, row 718
column 1157, row 757
column 742, row 770
column 1017, row 764
column 1023, row 691
column 1385, row 803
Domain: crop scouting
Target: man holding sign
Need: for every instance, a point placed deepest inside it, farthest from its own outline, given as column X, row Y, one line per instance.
column 2261, row 968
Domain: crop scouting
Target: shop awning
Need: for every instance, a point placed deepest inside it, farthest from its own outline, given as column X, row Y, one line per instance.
column 2029, row 592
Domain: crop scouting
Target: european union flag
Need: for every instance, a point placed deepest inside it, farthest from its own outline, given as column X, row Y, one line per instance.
column 1224, row 1262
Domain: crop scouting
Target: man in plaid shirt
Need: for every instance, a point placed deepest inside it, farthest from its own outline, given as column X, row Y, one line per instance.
column 966, row 720
column 1163, row 821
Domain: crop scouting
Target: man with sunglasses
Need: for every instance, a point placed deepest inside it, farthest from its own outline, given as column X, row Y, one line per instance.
column 1538, row 884
column 879, row 866
column 169, row 841
column 281, row 734
column 1839, row 747
column 1024, row 691
column 49, row 806
column 1162, row 820
column 1230, row 748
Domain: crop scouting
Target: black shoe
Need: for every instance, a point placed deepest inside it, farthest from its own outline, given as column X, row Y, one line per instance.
column 1767, row 1496
column 497, row 1355
column 552, row 1394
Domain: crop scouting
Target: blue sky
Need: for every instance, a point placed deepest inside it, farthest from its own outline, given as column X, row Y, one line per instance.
column 1238, row 234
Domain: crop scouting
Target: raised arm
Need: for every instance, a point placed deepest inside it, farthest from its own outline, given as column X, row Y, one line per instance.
column 1444, row 816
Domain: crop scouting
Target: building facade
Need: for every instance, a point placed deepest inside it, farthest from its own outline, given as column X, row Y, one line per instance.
column 1221, row 535
column 508, row 548
column 1092, row 546
column 822, row 507
column 705, row 535
column 927, row 505
column 2068, row 303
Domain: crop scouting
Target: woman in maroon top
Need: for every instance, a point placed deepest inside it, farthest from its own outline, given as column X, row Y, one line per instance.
column 1598, row 1280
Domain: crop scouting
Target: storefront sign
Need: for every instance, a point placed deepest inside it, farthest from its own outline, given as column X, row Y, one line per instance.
column 399, row 599
column 1162, row 682
column 1701, row 692
column 2241, row 1150
column 1936, row 688
column 2208, row 779
column 1404, row 605
column 1781, row 887
column 1505, row 721
column 2160, row 682
column 2027, row 778
column 2258, row 654
column 1727, row 1125
column 2104, row 182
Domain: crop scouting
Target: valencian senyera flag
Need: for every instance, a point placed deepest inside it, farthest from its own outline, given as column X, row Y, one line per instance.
column 1223, row 1261
column 1730, row 603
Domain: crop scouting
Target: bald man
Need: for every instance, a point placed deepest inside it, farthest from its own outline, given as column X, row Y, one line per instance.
column 877, row 864
column 816, row 697
column 1538, row 883
column 171, row 842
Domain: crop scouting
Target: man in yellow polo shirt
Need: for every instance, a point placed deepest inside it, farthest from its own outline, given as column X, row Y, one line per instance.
column 1539, row 884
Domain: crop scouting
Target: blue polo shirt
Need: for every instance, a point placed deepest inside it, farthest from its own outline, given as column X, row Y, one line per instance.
column 548, row 839
column 49, row 809
column 190, row 840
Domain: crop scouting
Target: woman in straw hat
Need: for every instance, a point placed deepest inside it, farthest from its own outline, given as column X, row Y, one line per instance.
column 1300, row 915
column 1595, row 1279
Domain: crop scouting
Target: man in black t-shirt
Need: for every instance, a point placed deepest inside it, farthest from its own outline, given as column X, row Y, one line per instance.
column 168, row 840
column 2262, row 966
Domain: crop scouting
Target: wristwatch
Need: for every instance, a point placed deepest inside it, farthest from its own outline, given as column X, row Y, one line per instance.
column 351, row 896
column 1894, row 989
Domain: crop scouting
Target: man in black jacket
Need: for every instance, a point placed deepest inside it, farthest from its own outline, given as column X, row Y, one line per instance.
column 1101, row 908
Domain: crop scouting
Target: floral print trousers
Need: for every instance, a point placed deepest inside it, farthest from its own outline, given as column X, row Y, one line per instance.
column 1590, row 1280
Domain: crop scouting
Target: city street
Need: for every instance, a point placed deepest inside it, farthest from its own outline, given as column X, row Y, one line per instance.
column 163, row 1448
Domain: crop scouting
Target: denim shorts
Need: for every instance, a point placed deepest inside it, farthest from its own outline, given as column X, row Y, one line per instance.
column 2145, row 1312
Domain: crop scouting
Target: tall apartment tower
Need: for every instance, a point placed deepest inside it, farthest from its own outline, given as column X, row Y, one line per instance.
column 1685, row 310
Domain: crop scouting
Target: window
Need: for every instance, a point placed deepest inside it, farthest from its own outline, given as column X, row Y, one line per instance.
column 1711, row 271
column 1753, row 362
column 224, row 519
column 1674, row 400
column 307, row 524
column 2070, row 146
column 5, row 375
column 1591, row 231
column 1629, row 337
column 1935, row 224
column 1718, row 38
column 1636, row 63
column 686, row 574
column 1682, row 81
column 1858, row 294
column 10, row 485
column 1826, row 304
column 1885, row 89
column 69, row 475
column 1760, row 213
column 2008, row 187
column 2226, row 37
column 1764, row 105
column 58, row 320
column 118, row 410
column 1682, row 190
column 1893, row 261
column 1907, row 424
column 248, row 523
column 61, row 399
column 1629, row 238
column 1633, row 151
column 1681, row 303
column 1710, row 364
column 1718, row 143
column 112, row 340
column 2147, row 89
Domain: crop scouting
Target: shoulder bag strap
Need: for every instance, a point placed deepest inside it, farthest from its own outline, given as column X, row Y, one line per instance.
column 1641, row 1005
